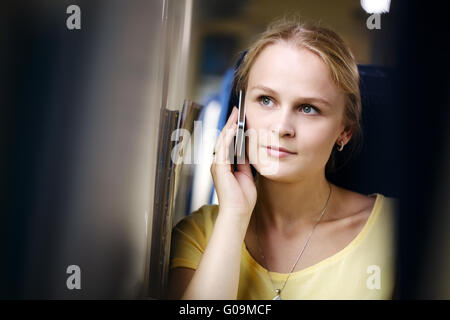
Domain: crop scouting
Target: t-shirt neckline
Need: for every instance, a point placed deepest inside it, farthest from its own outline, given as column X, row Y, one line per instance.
column 359, row 237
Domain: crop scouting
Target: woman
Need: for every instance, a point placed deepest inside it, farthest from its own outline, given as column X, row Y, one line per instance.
column 289, row 233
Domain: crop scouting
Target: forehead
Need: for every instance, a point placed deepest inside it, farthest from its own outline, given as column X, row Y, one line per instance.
column 288, row 69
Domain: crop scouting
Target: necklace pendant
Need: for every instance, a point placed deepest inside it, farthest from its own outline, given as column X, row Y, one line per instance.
column 277, row 297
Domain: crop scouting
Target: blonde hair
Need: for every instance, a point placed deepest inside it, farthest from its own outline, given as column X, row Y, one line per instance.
column 340, row 61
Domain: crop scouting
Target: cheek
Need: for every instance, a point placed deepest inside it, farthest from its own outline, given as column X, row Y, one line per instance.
column 318, row 137
column 258, row 125
column 252, row 119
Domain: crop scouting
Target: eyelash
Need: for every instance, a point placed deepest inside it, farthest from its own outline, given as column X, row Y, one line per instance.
column 301, row 106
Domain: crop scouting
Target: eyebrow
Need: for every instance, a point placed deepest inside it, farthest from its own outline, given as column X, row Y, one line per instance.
column 309, row 99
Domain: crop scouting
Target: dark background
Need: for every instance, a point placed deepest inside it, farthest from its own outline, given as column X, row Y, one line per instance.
column 41, row 69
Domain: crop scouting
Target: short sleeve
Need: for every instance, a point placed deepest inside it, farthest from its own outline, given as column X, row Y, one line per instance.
column 190, row 237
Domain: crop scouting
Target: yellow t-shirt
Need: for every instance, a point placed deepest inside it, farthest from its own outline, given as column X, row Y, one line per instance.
column 364, row 269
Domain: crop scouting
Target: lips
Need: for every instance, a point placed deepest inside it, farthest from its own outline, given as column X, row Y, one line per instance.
column 280, row 149
column 279, row 152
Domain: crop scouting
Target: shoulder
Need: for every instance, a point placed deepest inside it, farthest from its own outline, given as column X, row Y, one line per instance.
column 389, row 204
column 387, row 211
column 200, row 221
column 360, row 209
column 365, row 204
column 353, row 205
column 377, row 209
column 190, row 237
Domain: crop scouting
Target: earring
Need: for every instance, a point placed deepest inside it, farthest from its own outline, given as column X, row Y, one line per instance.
column 342, row 145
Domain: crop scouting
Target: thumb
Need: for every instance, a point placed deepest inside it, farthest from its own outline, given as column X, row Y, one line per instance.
column 245, row 168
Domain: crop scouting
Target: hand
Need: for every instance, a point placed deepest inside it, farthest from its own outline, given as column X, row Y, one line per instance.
column 236, row 190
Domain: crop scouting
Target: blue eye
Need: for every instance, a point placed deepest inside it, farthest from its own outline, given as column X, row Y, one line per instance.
column 309, row 109
column 264, row 100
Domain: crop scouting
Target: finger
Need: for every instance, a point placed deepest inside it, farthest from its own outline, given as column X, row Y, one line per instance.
column 223, row 146
column 231, row 119
column 245, row 167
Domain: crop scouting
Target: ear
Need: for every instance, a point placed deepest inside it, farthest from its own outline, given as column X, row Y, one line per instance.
column 346, row 134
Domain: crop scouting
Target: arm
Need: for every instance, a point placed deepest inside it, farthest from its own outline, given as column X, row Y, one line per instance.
column 179, row 279
column 217, row 275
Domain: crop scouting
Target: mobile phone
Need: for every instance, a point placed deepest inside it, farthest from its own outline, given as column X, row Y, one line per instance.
column 239, row 143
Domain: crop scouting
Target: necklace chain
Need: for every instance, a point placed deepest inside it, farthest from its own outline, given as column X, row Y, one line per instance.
column 278, row 291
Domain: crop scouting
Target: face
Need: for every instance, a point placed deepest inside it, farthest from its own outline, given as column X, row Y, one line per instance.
column 294, row 113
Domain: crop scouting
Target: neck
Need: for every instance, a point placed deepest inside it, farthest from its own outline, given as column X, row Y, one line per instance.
column 286, row 205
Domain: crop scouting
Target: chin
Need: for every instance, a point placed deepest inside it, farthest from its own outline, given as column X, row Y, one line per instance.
column 279, row 172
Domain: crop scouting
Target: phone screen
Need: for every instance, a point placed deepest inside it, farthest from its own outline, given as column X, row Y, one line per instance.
column 239, row 146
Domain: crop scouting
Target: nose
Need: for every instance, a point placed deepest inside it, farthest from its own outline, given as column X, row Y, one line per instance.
column 282, row 124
